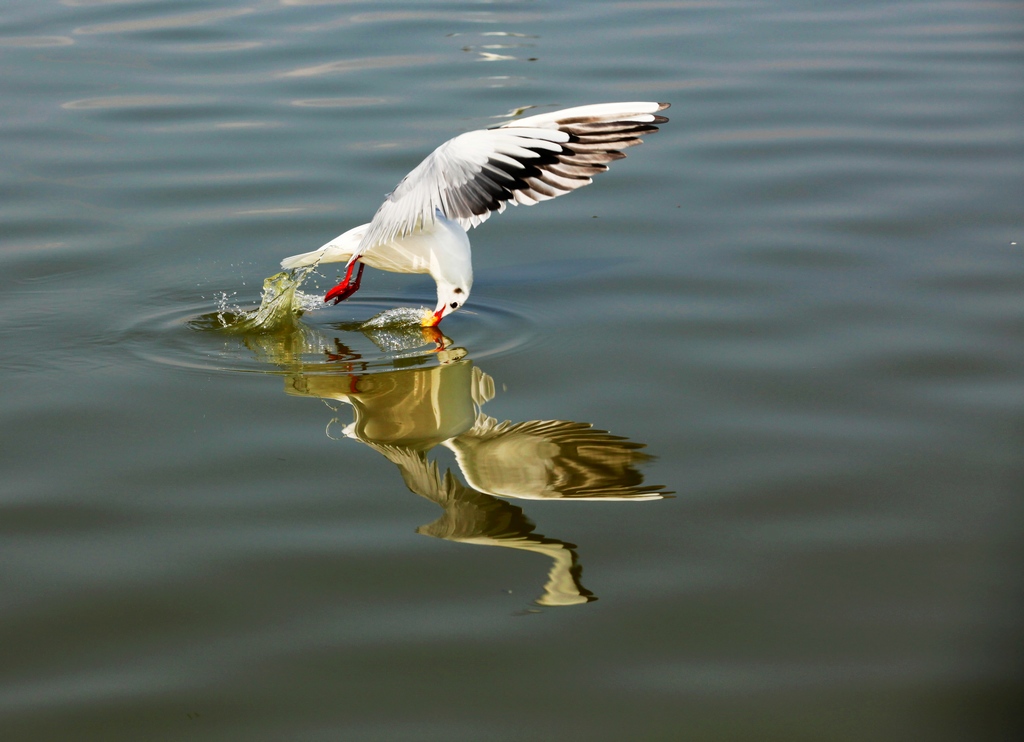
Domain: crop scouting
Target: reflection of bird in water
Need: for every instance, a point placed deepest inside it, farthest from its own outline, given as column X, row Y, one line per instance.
column 551, row 459
column 403, row 414
column 472, row 517
column 421, row 226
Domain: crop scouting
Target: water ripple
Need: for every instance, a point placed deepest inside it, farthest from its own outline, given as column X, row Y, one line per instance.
column 330, row 340
column 128, row 101
column 186, row 20
column 351, row 102
column 35, row 42
column 342, row 66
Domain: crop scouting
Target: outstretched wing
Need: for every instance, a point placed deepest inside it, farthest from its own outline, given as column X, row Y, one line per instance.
column 522, row 162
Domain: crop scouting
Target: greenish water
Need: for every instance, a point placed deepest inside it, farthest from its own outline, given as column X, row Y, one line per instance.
column 798, row 310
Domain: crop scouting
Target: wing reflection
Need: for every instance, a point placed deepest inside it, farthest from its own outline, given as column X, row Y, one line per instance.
column 472, row 517
column 550, row 459
column 405, row 413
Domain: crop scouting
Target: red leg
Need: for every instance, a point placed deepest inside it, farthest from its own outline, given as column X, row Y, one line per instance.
column 343, row 290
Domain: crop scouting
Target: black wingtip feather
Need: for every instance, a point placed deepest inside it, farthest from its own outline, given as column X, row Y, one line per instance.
column 592, row 142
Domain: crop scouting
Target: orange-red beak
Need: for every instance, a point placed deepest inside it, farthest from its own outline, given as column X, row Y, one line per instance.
column 432, row 320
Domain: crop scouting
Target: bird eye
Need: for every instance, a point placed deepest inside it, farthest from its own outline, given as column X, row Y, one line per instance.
column 454, row 305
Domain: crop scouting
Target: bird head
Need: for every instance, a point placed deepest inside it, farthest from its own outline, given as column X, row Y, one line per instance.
column 449, row 298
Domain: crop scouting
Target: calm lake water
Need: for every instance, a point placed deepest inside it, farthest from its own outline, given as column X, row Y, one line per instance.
column 798, row 308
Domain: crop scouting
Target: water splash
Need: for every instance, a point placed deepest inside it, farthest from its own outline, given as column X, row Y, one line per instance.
column 397, row 317
column 397, row 329
column 281, row 305
column 275, row 335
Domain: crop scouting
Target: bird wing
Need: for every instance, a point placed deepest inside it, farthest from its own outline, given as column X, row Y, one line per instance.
column 525, row 161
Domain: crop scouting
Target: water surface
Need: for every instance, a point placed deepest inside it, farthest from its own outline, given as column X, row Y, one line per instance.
column 798, row 308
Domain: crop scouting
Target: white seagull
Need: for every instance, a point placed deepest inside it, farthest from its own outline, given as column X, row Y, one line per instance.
column 421, row 226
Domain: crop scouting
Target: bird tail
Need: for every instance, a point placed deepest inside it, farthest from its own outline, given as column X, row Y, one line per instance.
column 338, row 250
column 303, row 260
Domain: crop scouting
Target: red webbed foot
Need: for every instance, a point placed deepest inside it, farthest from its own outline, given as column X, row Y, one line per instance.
column 347, row 287
column 340, row 292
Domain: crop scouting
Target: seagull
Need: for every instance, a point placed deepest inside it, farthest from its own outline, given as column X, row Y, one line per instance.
column 421, row 226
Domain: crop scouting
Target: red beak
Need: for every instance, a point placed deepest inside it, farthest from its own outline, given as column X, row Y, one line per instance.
column 433, row 320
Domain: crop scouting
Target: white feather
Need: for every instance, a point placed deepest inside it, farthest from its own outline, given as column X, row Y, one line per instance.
column 421, row 225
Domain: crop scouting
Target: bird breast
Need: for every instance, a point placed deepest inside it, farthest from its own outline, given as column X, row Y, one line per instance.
column 440, row 249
